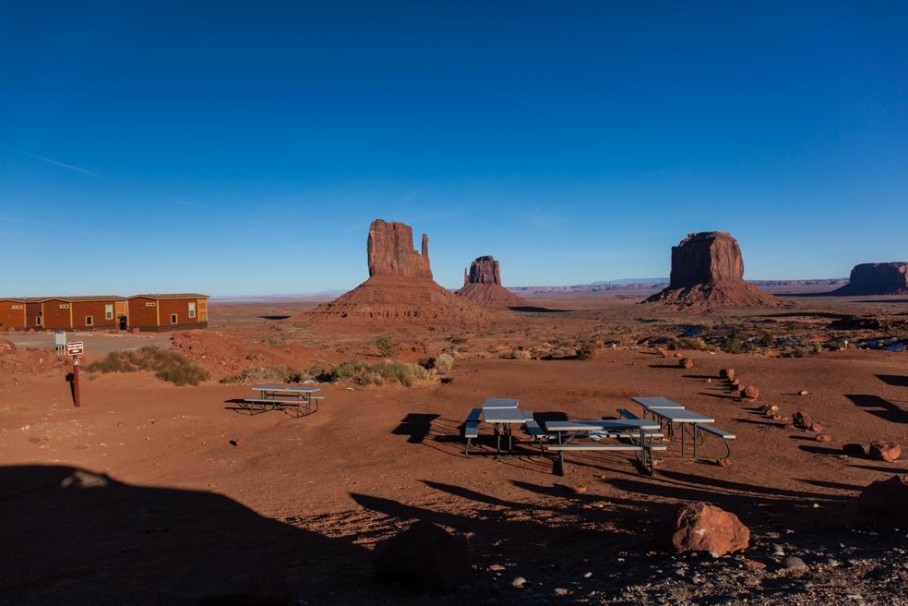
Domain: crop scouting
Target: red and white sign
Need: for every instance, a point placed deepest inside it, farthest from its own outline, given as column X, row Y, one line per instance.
column 75, row 348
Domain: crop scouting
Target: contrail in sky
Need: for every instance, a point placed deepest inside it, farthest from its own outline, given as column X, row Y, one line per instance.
column 69, row 166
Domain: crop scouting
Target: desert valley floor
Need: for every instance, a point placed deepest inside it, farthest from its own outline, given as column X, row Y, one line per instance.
column 146, row 481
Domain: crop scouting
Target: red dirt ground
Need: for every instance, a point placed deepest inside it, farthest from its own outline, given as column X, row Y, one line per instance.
column 105, row 503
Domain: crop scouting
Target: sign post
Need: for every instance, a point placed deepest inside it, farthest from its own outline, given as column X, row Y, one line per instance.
column 75, row 349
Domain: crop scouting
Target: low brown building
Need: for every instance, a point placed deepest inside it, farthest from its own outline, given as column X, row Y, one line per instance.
column 105, row 312
column 12, row 314
column 168, row 312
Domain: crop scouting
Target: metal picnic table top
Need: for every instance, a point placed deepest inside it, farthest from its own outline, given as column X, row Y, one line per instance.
column 500, row 403
column 656, row 403
column 503, row 415
column 681, row 415
column 285, row 389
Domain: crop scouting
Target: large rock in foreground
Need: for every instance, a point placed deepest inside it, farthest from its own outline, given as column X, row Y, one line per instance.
column 482, row 284
column 708, row 271
column 426, row 556
column 876, row 279
column 886, row 502
column 704, row 527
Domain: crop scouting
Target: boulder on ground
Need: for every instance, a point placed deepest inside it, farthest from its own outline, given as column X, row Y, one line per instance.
column 703, row 527
column 751, row 392
column 885, row 451
column 801, row 420
column 727, row 373
column 886, row 501
column 686, row 363
column 426, row 556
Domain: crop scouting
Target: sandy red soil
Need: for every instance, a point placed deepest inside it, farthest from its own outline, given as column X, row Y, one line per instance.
column 104, row 503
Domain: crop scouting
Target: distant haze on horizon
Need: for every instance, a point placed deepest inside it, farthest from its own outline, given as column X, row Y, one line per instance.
column 239, row 150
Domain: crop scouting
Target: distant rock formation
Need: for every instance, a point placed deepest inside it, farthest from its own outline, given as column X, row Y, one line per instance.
column 708, row 271
column 876, row 279
column 390, row 251
column 482, row 284
column 400, row 285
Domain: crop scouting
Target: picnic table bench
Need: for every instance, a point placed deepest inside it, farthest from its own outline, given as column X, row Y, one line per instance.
column 300, row 400
column 636, row 430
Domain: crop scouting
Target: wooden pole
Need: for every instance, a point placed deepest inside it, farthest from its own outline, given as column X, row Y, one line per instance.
column 76, row 399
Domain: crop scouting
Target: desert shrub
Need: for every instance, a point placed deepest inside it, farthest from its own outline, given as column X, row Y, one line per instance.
column 735, row 344
column 517, row 354
column 167, row 365
column 560, row 353
column 687, row 343
column 266, row 374
column 377, row 374
column 443, row 363
column 385, row 347
column 587, row 351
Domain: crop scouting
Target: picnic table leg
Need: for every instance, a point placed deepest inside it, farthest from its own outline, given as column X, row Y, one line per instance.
column 497, row 441
column 695, row 436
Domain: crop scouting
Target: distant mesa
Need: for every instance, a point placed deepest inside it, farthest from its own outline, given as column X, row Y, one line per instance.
column 708, row 271
column 482, row 284
column 400, row 284
column 876, row 279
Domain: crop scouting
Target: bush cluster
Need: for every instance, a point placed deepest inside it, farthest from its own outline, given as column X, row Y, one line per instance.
column 378, row 374
column 266, row 374
column 167, row 365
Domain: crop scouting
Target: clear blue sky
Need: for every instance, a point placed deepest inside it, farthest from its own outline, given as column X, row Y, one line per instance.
column 237, row 148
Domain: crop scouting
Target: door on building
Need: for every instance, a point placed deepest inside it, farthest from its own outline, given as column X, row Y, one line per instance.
column 122, row 320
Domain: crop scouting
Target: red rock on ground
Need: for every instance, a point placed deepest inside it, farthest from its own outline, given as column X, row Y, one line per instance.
column 686, row 363
column 886, row 501
column 751, row 392
column 704, row 527
column 801, row 420
column 425, row 555
column 727, row 373
column 885, row 451
column 824, row 437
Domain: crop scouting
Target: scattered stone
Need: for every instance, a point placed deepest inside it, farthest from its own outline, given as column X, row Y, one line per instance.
column 803, row 392
column 793, row 563
column 754, row 565
column 735, row 382
column 816, row 427
column 518, row 582
column 854, row 450
column 703, row 527
column 561, row 591
column 751, row 392
column 425, row 555
column 727, row 373
column 664, row 353
column 801, row 420
column 686, row 363
column 723, row 462
column 580, row 489
column 497, row 568
column 885, row 451
column 824, row 437
column 886, row 501
column 777, row 550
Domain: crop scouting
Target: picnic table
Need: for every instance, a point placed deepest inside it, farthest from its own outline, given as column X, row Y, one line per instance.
column 281, row 397
column 671, row 414
column 636, row 430
column 502, row 414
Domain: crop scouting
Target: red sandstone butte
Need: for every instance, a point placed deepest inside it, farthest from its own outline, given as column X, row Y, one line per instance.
column 482, row 285
column 708, row 271
column 876, row 279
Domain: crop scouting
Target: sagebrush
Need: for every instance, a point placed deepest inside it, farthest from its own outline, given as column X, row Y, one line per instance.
column 167, row 365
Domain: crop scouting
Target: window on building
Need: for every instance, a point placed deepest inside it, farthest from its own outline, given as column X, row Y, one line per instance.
column 150, row 304
column 108, row 311
column 89, row 321
column 39, row 321
column 173, row 318
column 64, row 305
column 192, row 309
column 17, row 307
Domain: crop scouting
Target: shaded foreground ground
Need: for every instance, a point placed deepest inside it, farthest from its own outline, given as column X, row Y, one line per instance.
column 103, row 504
